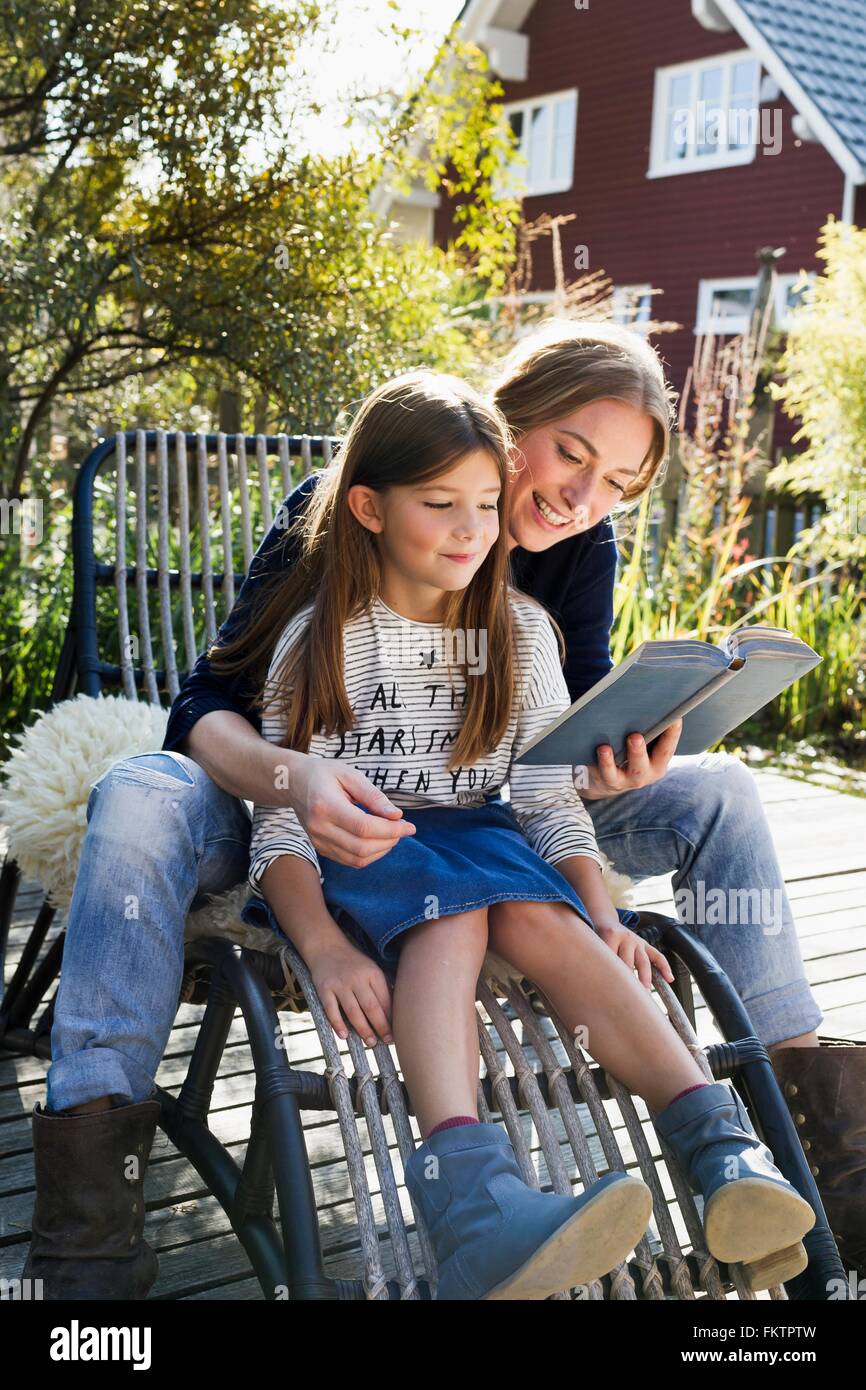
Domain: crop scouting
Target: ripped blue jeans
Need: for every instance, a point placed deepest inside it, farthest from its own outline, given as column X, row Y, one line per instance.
column 161, row 835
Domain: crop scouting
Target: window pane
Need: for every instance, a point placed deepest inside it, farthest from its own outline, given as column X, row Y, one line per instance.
column 710, row 135
column 743, row 79
column 742, row 126
column 711, row 85
column 679, row 116
column 793, row 296
column 631, row 304
column 539, row 146
column 511, row 180
column 563, row 139
column 731, row 303
column 743, row 115
column 644, row 305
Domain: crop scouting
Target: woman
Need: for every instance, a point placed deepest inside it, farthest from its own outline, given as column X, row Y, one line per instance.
column 592, row 414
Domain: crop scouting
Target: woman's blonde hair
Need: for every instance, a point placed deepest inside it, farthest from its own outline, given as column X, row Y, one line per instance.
column 410, row 430
column 566, row 364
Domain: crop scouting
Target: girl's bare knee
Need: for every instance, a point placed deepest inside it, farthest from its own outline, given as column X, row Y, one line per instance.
column 461, row 925
column 555, row 919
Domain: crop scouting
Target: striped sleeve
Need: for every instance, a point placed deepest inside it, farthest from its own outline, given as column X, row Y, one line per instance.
column 545, row 801
column 276, row 830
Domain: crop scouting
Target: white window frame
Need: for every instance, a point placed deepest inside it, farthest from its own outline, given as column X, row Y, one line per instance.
column 502, row 301
column 499, row 302
column 662, row 167
column 517, row 174
column 707, row 323
column 631, row 295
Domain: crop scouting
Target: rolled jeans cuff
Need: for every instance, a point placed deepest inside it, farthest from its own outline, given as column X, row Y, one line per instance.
column 782, row 1013
column 97, row 1071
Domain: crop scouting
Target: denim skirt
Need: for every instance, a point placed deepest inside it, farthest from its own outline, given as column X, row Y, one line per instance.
column 459, row 859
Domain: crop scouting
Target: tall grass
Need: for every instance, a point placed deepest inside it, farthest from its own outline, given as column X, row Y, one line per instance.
column 704, row 583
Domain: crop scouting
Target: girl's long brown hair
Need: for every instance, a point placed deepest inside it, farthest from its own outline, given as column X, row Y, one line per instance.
column 412, row 429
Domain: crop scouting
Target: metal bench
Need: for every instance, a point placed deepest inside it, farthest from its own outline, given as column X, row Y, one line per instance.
column 177, row 514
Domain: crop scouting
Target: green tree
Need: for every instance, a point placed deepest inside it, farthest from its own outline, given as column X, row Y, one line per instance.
column 166, row 229
column 824, row 369
column 161, row 214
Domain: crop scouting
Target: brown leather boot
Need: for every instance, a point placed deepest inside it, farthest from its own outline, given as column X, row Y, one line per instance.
column 825, row 1088
column 88, row 1218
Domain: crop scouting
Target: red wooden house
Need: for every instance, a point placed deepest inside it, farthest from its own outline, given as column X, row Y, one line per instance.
column 684, row 135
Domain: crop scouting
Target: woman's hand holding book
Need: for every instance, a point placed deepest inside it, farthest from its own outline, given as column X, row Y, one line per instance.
column 604, row 778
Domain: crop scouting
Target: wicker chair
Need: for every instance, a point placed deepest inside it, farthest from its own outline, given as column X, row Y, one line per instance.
column 568, row 1119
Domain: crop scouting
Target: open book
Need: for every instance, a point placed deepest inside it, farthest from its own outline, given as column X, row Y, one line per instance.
column 712, row 689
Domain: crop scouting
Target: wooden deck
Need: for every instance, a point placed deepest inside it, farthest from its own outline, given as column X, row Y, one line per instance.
column 821, row 839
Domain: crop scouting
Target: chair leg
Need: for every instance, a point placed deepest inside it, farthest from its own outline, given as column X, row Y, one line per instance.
column 277, row 1157
column 276, row 1093
column 18, row 1004
column 10, row 877
column 25, row 994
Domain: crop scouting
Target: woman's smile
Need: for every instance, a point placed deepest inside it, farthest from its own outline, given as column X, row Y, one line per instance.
column 548, row 515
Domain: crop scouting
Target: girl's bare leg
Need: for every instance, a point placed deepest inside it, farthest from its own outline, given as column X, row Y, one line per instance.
column 591, row 988
column 433, row 1017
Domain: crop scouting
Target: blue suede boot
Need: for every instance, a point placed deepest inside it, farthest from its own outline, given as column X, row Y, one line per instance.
column 497, row 1238
column 752, row 1214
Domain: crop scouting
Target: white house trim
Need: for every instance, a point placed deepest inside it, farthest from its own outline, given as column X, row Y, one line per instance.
column 709, row 16
column 798, row 97
column 422, row 198
column 503, row 14
column 508, row 53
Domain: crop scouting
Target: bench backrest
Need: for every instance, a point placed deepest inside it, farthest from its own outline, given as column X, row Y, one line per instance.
column 165, row 525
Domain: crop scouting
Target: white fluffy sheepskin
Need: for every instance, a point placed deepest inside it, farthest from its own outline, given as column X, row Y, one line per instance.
column 44, row 801
column 49, row 775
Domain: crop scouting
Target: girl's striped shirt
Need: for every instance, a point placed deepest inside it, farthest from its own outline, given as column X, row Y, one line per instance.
column 407, row 699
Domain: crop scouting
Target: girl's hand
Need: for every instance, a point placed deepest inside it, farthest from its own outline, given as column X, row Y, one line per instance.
column 347, row 979
column 641, row 769
column 632, row 949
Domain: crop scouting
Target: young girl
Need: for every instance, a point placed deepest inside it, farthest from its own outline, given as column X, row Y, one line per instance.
column 397, row 643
